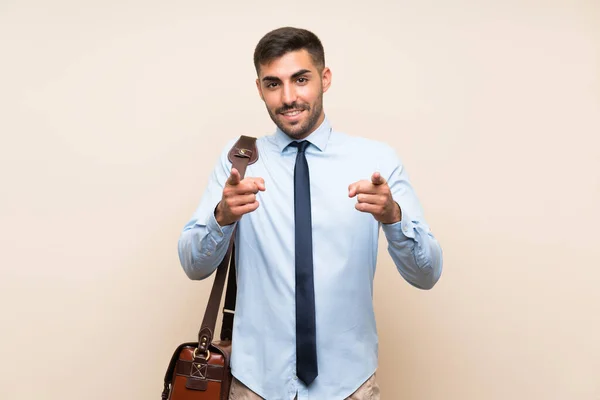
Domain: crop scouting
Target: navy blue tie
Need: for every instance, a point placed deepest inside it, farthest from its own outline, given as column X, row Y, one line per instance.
column 306, row 346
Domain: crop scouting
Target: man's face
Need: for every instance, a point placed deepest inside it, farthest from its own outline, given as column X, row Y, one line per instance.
column 292, row 89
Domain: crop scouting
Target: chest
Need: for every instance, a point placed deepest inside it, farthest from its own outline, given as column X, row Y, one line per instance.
column 330, row 175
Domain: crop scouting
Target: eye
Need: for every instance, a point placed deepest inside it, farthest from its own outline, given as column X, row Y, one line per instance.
column 302, row 80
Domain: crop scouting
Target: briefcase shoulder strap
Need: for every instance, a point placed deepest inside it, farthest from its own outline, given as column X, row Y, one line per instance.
column 238, row 150
column 243, row 153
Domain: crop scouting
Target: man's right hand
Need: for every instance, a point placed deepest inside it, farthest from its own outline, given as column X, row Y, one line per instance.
column 239, row 198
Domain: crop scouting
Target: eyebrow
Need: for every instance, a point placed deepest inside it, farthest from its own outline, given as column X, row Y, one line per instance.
column 295, row 75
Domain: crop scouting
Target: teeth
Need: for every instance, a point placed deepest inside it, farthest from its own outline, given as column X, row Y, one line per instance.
column 291, row 113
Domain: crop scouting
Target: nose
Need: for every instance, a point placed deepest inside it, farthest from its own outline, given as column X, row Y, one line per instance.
column 288, row 95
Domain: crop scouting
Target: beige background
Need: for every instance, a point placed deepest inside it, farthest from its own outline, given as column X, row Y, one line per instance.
column 112, row 114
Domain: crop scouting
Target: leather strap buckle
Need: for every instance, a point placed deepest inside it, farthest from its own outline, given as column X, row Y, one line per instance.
column 245, row 153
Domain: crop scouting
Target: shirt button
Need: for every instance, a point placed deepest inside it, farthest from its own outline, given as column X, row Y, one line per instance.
column 220, row 234
column 208, row 253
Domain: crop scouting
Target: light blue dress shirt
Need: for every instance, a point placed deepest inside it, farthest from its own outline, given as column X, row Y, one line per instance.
column 345, row 245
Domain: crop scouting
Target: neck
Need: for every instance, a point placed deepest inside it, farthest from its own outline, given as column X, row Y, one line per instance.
column 317, row 125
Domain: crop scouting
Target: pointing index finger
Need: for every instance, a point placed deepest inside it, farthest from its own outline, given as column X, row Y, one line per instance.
column 234, row 178
column 377, row 179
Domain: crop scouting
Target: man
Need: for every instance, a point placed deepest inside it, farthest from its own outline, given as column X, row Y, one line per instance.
column 308, row 215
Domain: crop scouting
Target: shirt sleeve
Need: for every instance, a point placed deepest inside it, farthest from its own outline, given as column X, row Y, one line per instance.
column 415, row 251
column 203, row 243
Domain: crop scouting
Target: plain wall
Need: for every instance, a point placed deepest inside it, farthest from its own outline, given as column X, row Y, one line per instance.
column 113, row 113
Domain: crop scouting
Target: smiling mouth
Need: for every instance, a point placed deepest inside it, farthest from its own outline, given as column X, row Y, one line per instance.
column 291, row 113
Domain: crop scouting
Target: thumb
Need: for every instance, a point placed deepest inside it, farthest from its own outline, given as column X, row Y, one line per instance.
column 352, row 190
column 234, row 178
column 260, row 184
column 377, row 179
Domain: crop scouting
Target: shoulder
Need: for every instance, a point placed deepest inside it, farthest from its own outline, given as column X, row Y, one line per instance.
column 231, row 142
column 262, row 143
column 362, row 144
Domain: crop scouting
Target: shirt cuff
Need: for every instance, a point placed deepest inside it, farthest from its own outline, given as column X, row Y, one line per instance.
column 401, row 230
column 216, row 231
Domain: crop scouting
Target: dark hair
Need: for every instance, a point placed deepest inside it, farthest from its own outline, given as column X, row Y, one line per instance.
column 284, row 40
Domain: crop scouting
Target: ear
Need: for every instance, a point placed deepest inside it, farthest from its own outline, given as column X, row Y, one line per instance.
column 326, row 78
column 259, row 89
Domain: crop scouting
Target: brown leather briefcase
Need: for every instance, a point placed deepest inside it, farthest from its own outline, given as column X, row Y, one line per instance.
column 200, row 370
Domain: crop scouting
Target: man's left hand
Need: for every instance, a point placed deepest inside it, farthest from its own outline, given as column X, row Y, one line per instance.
column 375, row 197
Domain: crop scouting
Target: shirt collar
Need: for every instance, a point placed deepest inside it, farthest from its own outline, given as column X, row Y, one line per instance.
column 319, row 137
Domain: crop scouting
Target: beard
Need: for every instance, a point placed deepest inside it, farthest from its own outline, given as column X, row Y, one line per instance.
column 299, row 129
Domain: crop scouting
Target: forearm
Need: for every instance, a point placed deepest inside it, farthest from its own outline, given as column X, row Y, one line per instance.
column 415, row 252
column 202, row 247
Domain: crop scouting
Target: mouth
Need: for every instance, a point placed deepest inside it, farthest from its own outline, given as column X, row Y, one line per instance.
column 292, row 115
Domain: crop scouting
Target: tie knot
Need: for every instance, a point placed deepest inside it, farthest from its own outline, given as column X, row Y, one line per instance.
column 300, row 145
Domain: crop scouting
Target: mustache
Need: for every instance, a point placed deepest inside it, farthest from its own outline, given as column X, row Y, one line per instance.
column 293, row 106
